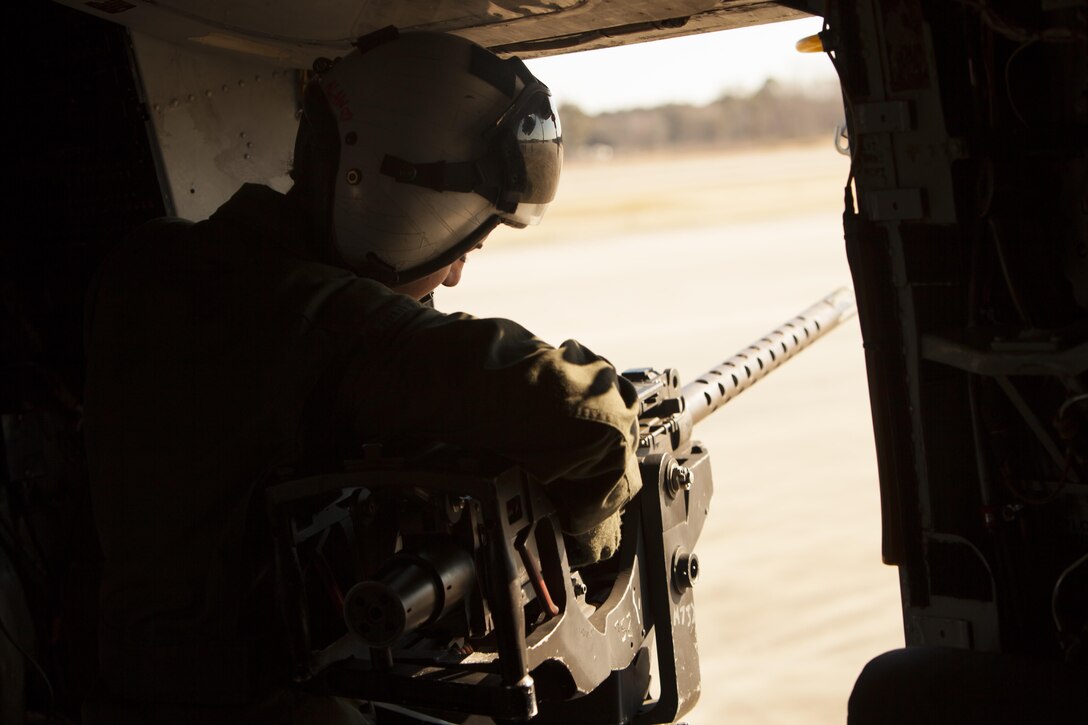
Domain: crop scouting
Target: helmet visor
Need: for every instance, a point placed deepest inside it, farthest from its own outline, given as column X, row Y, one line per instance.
column 533, row 148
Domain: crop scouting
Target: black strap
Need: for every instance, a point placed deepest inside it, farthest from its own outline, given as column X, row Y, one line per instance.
column 381, row 36
column 437, row 175
column 376, row 269
column 493, row 70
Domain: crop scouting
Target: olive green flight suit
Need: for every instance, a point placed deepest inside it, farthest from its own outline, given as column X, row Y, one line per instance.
column 207, row 343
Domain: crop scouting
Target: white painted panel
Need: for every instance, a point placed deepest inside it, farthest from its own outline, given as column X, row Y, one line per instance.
column 220, row 121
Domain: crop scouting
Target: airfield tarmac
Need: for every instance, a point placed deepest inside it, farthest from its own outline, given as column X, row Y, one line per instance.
column 679, row 261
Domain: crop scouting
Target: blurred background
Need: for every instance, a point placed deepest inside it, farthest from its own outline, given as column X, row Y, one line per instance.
column 700, row 207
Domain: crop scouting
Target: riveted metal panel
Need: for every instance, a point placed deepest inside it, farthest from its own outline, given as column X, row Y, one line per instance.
column 219, row 122
column 291, row 34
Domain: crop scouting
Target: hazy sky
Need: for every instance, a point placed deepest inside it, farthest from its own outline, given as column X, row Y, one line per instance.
column 695, row 69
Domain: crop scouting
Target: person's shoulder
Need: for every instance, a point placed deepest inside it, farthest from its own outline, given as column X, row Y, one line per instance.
column 147, row 240
column 160, row 229
column 251, row 204
column 380, row 309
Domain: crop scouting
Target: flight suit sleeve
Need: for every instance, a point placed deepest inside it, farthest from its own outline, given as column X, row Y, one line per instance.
column 562, row 413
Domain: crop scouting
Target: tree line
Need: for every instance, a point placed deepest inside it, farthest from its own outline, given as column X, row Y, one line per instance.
column 772, row 114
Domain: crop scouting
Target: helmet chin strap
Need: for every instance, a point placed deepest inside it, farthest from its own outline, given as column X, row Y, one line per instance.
column 377, row 269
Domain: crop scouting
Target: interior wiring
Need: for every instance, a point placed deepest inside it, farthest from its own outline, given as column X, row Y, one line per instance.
column 848, row 109
column 1055, row 595
column 1008, row 29
column 1071, row 402
column 1014, row 295
column 1008, row 83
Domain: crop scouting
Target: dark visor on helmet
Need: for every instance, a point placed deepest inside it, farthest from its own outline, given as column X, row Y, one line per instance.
column 530, row 140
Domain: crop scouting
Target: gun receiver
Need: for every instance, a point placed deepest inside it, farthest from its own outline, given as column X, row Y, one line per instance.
column 460, row 597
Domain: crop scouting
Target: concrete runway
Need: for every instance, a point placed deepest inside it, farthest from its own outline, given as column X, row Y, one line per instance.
column 680, row 262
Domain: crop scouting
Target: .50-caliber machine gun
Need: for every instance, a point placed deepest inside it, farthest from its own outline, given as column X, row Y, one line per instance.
column 440, row 586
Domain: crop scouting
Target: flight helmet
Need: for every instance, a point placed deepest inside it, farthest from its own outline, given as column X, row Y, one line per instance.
column 416, row 145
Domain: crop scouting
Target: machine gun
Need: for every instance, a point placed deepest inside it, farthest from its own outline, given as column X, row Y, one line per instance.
column 462, row 601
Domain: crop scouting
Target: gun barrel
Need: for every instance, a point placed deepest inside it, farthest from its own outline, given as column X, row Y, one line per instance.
column 725, row 381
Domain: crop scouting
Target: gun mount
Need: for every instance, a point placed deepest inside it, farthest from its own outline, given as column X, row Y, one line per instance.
column 460, row 597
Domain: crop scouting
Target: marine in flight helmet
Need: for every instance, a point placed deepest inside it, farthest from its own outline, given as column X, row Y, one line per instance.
column 415, row 146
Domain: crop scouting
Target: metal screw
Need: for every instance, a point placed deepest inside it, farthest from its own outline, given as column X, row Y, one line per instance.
column 353, row 176
column 685, row 570
column 678, row 478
